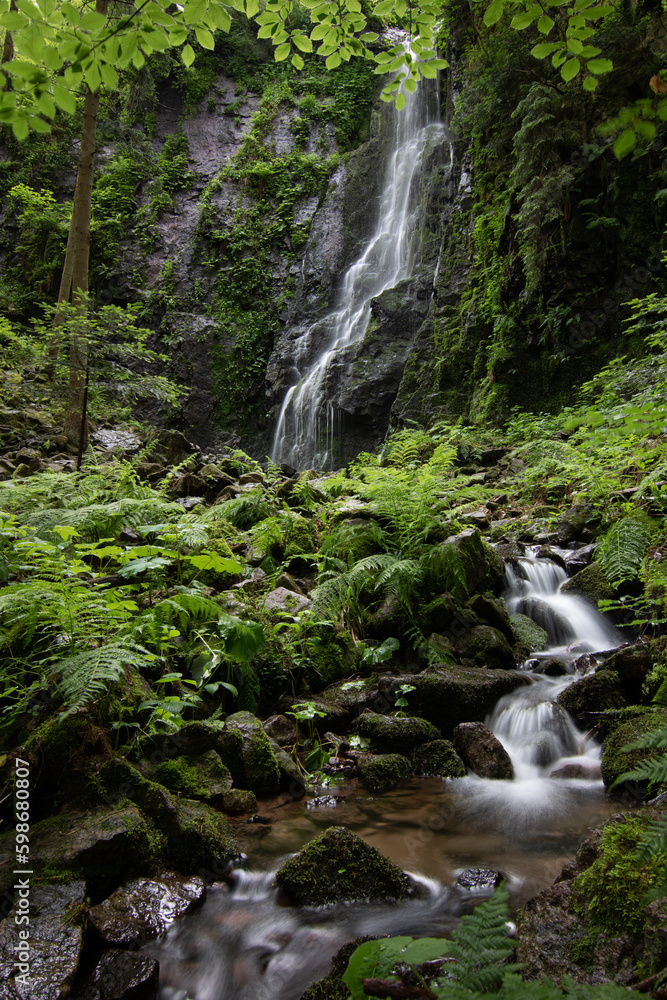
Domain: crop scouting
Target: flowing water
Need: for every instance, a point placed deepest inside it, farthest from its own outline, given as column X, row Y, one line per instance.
column 246, row 944
column 306, row 429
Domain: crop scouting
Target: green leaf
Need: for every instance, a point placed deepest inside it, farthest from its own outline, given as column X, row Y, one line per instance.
column 109, row 76
column 282, row 52
column 570, row 69
column 599, row 66
column 590, row 83
column 38, row 125
column 647, row 131
column 544, row 49
column 625, row 142
column 574, row 46
column 522, row 21
column 545, row 24
column 64, row 99
column 333, row 60
column 215, row 562
column 205, row 38
column 92, row 21
column 302, row 42
column 297, row 61
column 187, row 55
column 384, row 8
column 494, row 12
column 400, row 102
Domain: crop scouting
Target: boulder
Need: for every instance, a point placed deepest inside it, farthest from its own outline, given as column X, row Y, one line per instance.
column 481, row 564
column 144, row 908
column 616, row 760
column 590, row 583
column 385, row 772
column 395, row 733
column 632, row 664
column 260, row 767
column 529, row 637
column 282, row 599
column 204, row 777
column 439, row 759
column 486, row 646
column 124, row 975
column 339, row 867
column 56, row 939
column 597, row 692
column 280, row 729
column 479, row 879
column 481, row 751
column 449, row 695
column 492, row 611
column 578, row 524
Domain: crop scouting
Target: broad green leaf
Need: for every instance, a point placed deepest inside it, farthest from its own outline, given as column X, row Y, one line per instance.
column 590, row 83
column 219, row 17
column 662, row 110
column 522, row 21
column 645, row 129
column 428, row 70
column 13, row 21
column 494, row 12
column 215, row 562
column 570, row 69
column 282, row 52
column 333, row 60
column 65, row 100
column 187, row 55
column 302, row 42
column 384, row 8
column 205, row 38
column 38, row 125
column 92, row 21
column 574, row 46
column 109, row 76
column 194, row 12
column 400, row 102
column 45, row 104
column 20, row 128
column 297, row 61
column 589, row 52
column 545, row 24
column 410, row 85
column 625, row 142
column 251, row 8
column 599, row 66
column 544, row 49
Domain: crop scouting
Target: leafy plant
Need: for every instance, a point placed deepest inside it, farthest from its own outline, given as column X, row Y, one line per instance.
column 623, row 549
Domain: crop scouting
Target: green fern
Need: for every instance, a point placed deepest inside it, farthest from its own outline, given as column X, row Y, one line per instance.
column 89, row 674
column 623, row 549
column 103, row 520
column 480, row 945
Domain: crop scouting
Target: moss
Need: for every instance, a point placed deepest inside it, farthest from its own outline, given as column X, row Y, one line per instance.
column 596, row 692
column 260, row 767
column 70, row 753
column 395, row 733
column 381, row 774
column 439, row 759
column 611, row 891
column 530, row 637
column 486, row 646
column 591, row 583
column 616, row 760
column 200, row 837
column 202, row 777
column 334, row 656
column 450, row 695
column 339, row 867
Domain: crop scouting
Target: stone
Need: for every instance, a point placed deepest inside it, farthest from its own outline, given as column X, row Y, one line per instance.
column 583, row 772
column 202, row 777
column 395, row 733
column 439, row 759
column 482, row 752
column 174, row 446
column 280, row 729
column 632, row 664
column 384, row 772
column 578, row 523
column 550, row 667
column 486, row 647
column 529, row 636
column 590, row 583
column 479, row 879
column 338, row 867
column 597, row 692
column 492, row 611
column 578, row 558
column 483, row 567
column 282, row 599
column 260, row 766
column 55, row 943
column 449, row 695
column 616, row 760
column 142, row 908
column 125, row 975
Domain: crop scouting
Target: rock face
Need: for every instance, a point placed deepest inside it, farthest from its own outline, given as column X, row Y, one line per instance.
column 144, row 908
column 479, row 750
column 340, row 867
column 55, row 945
column 447, row 696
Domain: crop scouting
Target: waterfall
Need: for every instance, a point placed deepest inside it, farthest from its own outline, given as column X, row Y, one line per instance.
column 307, row 424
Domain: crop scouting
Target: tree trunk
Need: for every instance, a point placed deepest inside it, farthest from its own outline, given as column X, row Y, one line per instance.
column 74, row 280
column 8, row 49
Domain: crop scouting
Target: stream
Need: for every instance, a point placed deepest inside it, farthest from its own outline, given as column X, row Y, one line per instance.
column 245, row 942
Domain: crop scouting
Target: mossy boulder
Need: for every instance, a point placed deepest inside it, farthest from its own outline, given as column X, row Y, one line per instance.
column 492, row 611
column 339, row 867
column 260, row 766
column 529, row 637
column 579, row 523
column 590, row 582
column 596, row 692
column 482, row 752
column 633, row 665
column 333, row 657
column 198, row 837
column 486, row 646
column 447, row 695
column 70, row 754
column 481, row 564
column 616, row 760
column 395, row 733
column 193, row 740
column 382, row 773
column 204, row 777
column 439, row 759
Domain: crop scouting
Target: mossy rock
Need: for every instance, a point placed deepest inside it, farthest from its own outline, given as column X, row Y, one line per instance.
column 332, row 987
column 481, row 564
column 486, row 646
column 199, row 837
column 591, row 583
column 339, row 867
column 195, row 739
column 597, row 692
column 400, row 734
column 260, row 766
column 447, row 695
column 204, row 777
column 333, row 658
column 70, row 753
column 238, row 801
column 439, row 759
column 616, row 760
column 492, row 611
column 529, row 637
column 385, row 772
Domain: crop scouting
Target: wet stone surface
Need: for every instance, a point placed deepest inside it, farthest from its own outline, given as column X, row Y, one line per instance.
column 143, row 908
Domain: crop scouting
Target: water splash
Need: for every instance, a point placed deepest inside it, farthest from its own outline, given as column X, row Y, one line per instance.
column 308, row 422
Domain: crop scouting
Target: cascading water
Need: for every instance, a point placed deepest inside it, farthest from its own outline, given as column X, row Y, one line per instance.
column 305, row 433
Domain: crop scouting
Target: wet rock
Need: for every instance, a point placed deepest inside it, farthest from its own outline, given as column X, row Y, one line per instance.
column 481, row 751
column 654, row 956
column 492, row 611
column 553, row 622
column 479, row 879
column 125, row 975
column 550, row 667
column 616, row 760
column 144, row 908
column 237, row 801
column 590, row 583
column 260, row 766
column 449, row 695
column 280, row 729
column 385, row 772
column 596, row 692
column 202, row 777
column 175, row 447
column 393, row 733
column 585, row 772
column 632, row 665
column 332, row 987
column 486, row 646
column 291, row 778
column 579, row 523
column 325, row 802
column 477, row 518
column 55, row 942
column 483, row 567
column 282, row 599
column 579, row 558
column 547, row 552
column 439, row 759
column 340, row 867
column 117, row 440
column 529, row 637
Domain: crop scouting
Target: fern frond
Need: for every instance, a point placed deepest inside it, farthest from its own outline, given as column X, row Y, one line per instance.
column 371, row 566
column 623, row 549
column 400, row 578
column 480, row 943
column 247, row 510
column 654, row 841
column 181, row 609
column 654, row 771
column 103, row 520
column 657, row 739
column 89, row 674
column 444, row 570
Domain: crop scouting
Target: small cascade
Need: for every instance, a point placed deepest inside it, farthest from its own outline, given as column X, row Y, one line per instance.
column 308, row 422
